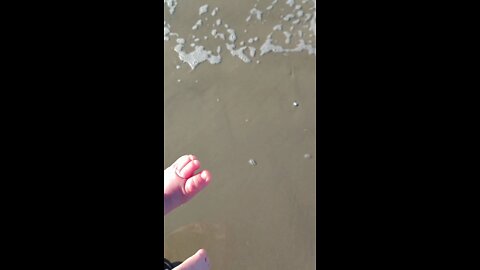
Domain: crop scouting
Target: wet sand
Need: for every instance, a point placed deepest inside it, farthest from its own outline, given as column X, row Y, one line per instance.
column 250, row 217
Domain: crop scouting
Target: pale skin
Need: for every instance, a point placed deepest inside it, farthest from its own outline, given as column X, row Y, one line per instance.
column 181, row 183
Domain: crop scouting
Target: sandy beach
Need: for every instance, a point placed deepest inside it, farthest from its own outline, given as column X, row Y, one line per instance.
column 250, row 119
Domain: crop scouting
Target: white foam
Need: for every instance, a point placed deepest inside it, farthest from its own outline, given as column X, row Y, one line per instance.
column 307, row 17
column 197, row 56
column 217, row 35
column 268, row 47
column 171, row 4
column 197, row 25
column 232, row 36
column 255, row 12
column 214, row 11
column 166, row 32
column 288, row 36
column 313, row 24
column 247, row 48
column 272, row 4
column 252, row 51
column 288, row 17
column 203, row 9
column 301, row 46
column 239, row 52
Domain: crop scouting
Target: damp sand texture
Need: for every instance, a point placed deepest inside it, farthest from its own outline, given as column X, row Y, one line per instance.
column 239, row 90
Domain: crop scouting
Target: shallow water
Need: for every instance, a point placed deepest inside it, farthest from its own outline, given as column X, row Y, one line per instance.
column 254, row 215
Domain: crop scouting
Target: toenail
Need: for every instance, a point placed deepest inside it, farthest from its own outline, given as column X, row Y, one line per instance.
column 179, row 174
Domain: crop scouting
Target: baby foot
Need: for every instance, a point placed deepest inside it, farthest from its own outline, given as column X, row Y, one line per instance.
column 181, row 183
column 199, row 261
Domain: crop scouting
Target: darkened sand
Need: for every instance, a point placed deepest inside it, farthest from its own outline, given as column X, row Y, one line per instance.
column 254, row 215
